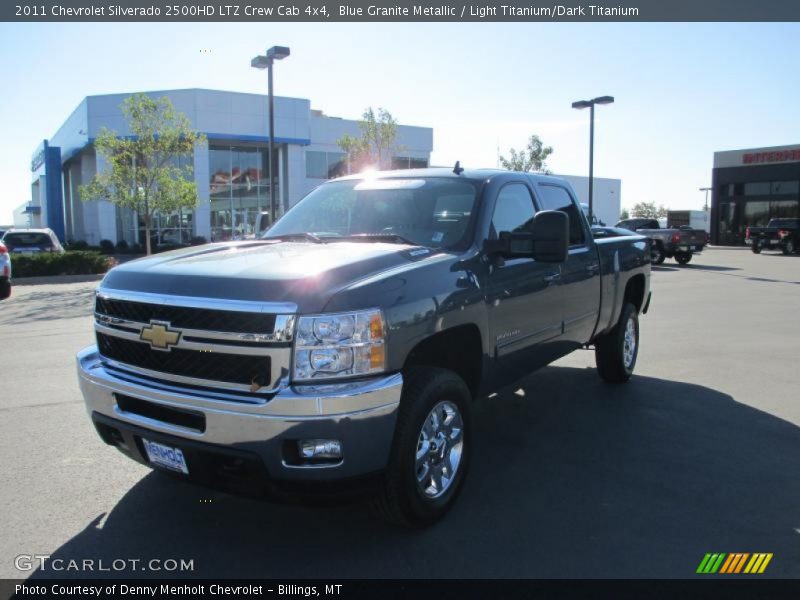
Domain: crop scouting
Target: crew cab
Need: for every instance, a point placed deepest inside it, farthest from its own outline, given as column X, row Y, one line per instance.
column 679, row 243
column 348, row 343
column 779, row 234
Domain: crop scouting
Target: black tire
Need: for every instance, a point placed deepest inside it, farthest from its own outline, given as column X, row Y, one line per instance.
column 610, row 348
column 5, row 289
column 788, row 247
column 401, row 500
column 683, row 258
column 755, row 248
column 657, row 255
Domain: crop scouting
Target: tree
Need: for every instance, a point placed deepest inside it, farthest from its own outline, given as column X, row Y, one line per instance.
column 145, row 171
column 377, row 143
column 624, row 214
column 648, row 210
column 531, row 159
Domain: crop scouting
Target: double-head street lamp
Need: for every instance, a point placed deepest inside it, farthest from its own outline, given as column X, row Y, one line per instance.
column 265, row 62
column 580, row 104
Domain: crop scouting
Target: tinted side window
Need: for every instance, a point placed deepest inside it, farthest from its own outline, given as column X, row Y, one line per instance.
column 514, row 209
column 557, row 198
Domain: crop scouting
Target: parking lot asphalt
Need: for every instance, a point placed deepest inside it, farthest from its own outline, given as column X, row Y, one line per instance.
column 571, row 477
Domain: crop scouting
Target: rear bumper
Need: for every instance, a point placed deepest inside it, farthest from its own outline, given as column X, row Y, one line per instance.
column 260, row 436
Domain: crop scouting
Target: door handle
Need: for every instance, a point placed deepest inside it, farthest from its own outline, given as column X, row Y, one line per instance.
column 552, row 277
column 592, row 269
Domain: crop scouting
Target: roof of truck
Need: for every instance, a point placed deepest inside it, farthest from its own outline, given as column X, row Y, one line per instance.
column 475, row 174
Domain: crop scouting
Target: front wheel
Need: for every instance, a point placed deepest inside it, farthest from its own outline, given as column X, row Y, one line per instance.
column 683, row 258
column 431, row 449
column 615, row 352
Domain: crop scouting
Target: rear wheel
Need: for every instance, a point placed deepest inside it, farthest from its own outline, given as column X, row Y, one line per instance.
column 788, row 247
column 657, row 255
column 756, row 247
column 683, row 258
column 5, row 289
column 431, row 448
column 615, row 352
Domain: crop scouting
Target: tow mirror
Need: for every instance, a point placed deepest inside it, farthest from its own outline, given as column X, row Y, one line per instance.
column 550, row 233
column 546, row 241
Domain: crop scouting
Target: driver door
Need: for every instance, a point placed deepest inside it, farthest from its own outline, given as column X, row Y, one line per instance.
column 523, row 297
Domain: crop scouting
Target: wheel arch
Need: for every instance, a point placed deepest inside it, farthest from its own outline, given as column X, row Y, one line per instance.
column 458, row 349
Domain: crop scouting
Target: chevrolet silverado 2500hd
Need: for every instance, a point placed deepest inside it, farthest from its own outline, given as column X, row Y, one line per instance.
column 351, row 339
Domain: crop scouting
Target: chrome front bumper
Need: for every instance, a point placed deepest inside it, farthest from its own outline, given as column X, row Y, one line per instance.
column 360, row 414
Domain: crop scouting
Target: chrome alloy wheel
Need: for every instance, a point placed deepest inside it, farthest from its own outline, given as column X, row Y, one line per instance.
column 629, row 344
column 439, row 449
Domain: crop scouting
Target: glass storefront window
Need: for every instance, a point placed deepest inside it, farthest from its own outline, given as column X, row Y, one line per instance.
column 758, row 188
column 325, row 165
column 784, row 209
column 239, row 189
column 756, row 214
column 785, row 188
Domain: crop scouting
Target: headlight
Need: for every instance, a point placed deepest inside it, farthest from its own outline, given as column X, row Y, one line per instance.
column 339, row 345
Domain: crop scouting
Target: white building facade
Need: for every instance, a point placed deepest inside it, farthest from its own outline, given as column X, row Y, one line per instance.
column 230, row 168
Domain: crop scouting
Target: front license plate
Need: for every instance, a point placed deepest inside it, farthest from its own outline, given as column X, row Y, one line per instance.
column 165, row 456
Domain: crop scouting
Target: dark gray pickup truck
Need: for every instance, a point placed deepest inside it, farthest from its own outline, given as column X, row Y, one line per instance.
column 679, row 243
column 347, row 345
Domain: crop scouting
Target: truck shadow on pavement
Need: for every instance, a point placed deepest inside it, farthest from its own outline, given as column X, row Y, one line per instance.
column 49, row 305
column 570, row 477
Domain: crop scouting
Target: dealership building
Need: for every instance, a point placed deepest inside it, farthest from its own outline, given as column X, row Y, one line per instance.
column 230, row 167
column 750, row 187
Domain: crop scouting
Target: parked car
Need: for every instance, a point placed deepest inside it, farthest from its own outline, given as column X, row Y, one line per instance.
column 5, row 272
column 680, row 243
column 32, row 241
column 349, row 343
column 779, row 234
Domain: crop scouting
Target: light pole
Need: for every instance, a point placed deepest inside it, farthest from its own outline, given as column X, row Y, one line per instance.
column 706, row 190
column 265, row 62
column 581, row 104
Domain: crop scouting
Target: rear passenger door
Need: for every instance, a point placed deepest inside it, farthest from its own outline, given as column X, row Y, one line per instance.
column 580, row 274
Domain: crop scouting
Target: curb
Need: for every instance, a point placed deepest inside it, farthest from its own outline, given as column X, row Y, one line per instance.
column 55, row 279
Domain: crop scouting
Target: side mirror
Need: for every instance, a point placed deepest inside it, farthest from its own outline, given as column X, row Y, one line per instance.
column 550, row 233
column 511, row 244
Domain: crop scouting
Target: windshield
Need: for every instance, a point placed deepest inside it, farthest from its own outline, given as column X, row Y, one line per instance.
column 27, row 240
column 434, row 212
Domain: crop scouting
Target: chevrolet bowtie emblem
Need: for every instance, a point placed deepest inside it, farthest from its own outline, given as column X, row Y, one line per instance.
column 160, row 336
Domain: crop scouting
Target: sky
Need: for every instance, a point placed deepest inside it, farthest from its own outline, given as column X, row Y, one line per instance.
column 682, row 90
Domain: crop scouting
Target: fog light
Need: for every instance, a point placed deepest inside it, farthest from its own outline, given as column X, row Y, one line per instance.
column 312, row 449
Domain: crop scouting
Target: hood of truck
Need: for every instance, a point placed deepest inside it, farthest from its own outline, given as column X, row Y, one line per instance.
column 303, row 273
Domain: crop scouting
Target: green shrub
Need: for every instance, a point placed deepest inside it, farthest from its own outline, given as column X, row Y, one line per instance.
column 69, row 263
column 122, row 246
column 77, row 245
column 106, row 246
column 198, row 240
column 166, row 247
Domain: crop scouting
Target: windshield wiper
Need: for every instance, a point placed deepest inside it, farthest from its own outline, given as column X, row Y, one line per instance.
column 380, row 237
column 301, row 235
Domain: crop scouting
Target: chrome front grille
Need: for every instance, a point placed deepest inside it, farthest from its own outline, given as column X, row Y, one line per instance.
column 234, row 345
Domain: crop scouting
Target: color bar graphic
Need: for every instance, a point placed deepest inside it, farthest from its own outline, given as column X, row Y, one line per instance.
column 734, row 563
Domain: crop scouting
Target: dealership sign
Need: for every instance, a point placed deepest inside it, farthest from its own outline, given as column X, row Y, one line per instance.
column 751, row 158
